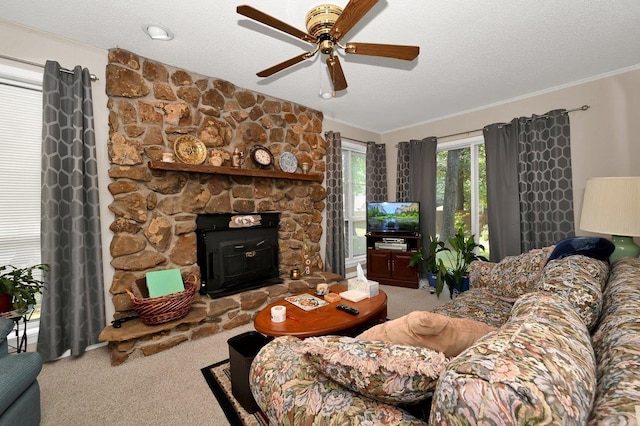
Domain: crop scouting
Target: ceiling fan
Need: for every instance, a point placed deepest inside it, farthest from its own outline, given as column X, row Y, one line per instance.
column 326, row 25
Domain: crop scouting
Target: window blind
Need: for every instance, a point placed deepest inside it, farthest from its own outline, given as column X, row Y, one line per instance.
column 20, row 165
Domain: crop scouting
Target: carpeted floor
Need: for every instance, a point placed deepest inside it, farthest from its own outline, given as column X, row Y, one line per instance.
column 163, row 389
column 218, row 378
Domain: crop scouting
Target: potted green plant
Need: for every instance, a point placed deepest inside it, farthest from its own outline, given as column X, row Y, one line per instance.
column 20, row 286
column 433, row 266
column 463, row 251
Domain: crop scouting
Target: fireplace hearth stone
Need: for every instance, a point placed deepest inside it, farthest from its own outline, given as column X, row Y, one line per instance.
column 207, row 317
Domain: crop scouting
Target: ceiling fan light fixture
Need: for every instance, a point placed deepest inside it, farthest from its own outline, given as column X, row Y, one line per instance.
column 327, row 95
column 158, row 32
column 320, row 19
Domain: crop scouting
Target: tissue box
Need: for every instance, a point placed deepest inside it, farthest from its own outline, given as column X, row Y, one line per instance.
column 370, row 288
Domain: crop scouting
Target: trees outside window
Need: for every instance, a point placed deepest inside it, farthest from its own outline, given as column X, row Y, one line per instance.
column 461, row 194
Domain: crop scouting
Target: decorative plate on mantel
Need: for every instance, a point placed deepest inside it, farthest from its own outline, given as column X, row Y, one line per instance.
column 288, row 162
column 190, row 150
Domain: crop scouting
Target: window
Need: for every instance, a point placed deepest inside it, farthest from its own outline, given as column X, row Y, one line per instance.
column 354, row 175
column 20, row 167
column 461, row 194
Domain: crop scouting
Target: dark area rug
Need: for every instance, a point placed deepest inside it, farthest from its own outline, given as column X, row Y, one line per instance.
column 218, row 378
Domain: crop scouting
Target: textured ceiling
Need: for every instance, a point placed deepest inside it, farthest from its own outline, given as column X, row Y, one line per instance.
column 473, row 53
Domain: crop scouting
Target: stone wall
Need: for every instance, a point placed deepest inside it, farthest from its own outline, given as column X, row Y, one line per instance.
column 150, row 106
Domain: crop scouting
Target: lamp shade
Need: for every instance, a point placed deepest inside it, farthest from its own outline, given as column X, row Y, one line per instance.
column 611, row 206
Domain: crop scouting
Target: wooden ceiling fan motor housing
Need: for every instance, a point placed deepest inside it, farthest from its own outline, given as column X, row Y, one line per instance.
column 319, row 21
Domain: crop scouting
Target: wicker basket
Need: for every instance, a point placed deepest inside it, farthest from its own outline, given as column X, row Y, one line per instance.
column 158, row 310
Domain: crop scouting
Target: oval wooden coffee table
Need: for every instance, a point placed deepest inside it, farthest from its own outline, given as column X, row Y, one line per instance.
column 325, row 319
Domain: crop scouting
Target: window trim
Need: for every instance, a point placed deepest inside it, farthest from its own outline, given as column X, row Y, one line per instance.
column 20, row 77
column 351, row 261
column 473, row 144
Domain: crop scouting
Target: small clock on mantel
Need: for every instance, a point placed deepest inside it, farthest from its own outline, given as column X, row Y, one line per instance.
column 261, row 156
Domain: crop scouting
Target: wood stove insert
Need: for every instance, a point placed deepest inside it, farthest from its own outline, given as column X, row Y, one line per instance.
column 237, row 252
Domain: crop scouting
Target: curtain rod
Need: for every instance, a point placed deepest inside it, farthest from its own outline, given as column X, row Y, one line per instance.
column 352, row 139
column 348, row 138
column 22, row 61
column 582, row 108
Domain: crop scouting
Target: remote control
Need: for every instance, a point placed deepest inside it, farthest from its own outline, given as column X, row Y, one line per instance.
column 348, row 309
column 118, row 322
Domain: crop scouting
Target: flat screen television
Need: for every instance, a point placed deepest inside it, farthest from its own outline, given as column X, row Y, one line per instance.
column 393, row 217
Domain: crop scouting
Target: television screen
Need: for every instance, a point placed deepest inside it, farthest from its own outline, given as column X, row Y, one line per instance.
column 393, row 217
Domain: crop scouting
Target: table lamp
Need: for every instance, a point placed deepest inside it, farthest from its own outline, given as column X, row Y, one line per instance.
column 612, row 206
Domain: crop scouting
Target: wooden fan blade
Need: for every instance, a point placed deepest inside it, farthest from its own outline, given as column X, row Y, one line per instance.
column 262, row 17
column 282, row 65
column 352, row 13
column 396, row 51
column 335, row 72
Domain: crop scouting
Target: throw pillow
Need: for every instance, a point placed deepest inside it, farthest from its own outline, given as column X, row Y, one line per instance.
column 382, row 371
column 514, row 276
column 594, row 247
column 479, row 272
column 441, row 333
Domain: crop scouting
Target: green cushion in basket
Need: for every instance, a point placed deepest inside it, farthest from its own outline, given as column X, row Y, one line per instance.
column 161, row 283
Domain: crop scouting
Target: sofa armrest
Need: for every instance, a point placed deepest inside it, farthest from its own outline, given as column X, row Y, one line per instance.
column 579, row 280
column 6, row 326
column 17, row 373
column 616, row 342
column 539, row 365
column 291, row 391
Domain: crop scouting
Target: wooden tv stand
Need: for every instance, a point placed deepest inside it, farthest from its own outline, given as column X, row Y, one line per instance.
column 391, row 265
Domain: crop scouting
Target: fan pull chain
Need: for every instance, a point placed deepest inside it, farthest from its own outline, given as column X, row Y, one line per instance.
column 333, row 78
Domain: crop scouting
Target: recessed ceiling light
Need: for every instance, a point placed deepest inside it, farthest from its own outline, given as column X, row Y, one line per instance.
column 158, row 32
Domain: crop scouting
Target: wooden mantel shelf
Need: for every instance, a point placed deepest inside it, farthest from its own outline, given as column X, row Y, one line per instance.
column 232, row 171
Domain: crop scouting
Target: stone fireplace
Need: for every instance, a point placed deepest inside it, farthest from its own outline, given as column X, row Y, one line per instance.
column 156, row 208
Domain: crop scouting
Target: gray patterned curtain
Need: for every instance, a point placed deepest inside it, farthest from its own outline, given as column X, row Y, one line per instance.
column 335, row 250
column 376, row 172
column 402, row 172
column 73, row 302
column 503, row 195
column 545, row 184
column 417, row 179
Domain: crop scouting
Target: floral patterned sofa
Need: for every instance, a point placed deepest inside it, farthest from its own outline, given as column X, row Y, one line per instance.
column 566, row 350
